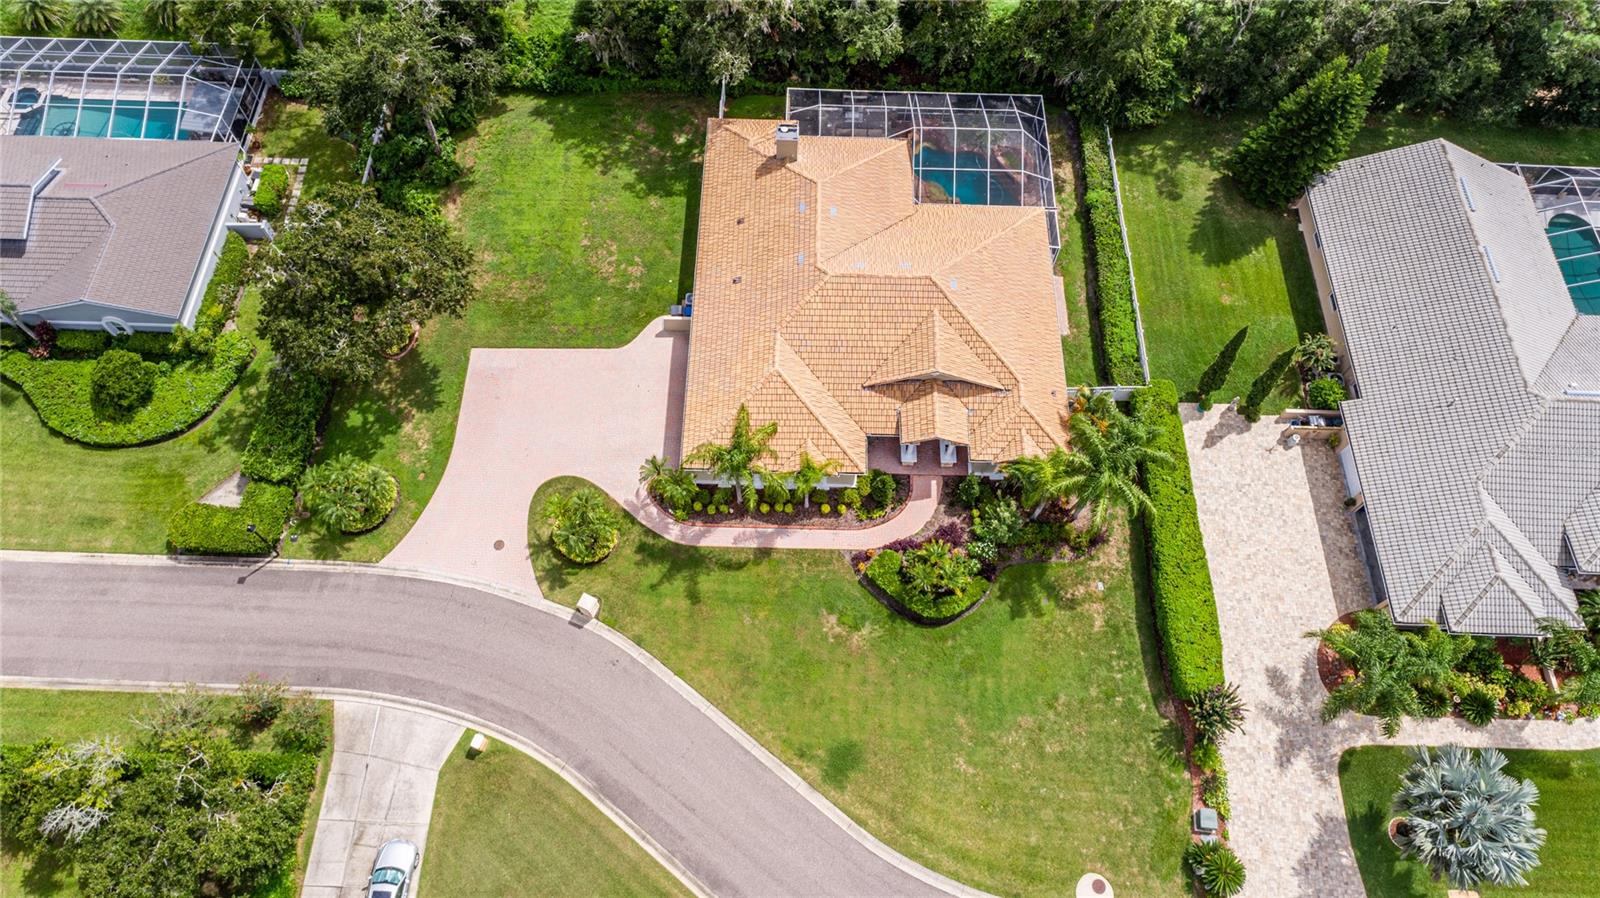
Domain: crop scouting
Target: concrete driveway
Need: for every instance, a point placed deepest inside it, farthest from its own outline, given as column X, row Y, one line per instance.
column 386, row 762
column 528, row 415
column 1283, row 561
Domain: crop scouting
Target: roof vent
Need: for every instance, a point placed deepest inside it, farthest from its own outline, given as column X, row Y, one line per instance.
column 1467, row 192
column 787, row 138
column 1494, row 270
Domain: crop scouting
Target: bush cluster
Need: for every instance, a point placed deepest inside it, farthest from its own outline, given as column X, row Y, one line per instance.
column 285, row 431
column 934, row 581
column 120, row 382
column 349, row 495
column 184, row 391
column 1186, row 608
column 272, row 190
column 584, row 527
column 1113, row 283
column 222, row 292
column 198, row 529
column 1325, row 392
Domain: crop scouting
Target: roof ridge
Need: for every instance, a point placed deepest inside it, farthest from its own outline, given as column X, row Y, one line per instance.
column 802, row 393
column 105, row 243
column 162, row 171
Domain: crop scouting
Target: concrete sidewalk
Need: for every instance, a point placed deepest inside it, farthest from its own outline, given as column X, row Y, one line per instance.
column 386, row 764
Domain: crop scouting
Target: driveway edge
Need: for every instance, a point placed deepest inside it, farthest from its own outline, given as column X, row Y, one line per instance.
column 650, row 662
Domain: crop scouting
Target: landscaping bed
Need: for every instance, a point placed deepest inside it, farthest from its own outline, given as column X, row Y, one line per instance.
column 831, row 509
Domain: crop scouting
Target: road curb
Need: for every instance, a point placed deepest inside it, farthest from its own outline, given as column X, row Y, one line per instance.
column 650, row 662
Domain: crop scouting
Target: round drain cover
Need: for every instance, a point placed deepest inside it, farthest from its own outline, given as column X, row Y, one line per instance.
column 499, row 544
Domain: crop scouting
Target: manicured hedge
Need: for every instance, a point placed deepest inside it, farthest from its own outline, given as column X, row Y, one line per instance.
column 272, row 191
column 1114, row 287
column 185, row 391
column 198, row 529
column 1186, row 608
column 285, row 431
column 222, row 293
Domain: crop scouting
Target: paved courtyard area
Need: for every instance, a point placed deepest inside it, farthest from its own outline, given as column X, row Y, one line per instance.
column 1283, row 561
column 386, row 763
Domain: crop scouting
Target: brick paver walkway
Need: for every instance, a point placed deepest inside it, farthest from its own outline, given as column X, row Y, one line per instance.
column 1283, row 560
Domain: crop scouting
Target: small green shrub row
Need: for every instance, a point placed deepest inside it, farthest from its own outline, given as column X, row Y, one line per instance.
column 1186, row 608
column 1114, row 284
column 272, row 191
column 222, row 293
column 198, row 529
column 72, row 344
column 184, row 392
column 285, row 431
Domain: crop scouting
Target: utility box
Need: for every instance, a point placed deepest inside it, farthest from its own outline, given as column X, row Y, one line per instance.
column 589, row 605
column 478, row 745
column 1205, row 821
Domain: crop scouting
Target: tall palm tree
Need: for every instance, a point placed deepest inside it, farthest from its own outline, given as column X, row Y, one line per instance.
column 1388, row 666
column 1102, row 471
column 1041, row 479
column 739, row 461
column 1466, row 819
column 810, row 473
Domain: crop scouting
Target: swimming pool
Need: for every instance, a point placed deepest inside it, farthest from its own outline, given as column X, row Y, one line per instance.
column 1577, row 249
column 69, row 117
column 964, row 177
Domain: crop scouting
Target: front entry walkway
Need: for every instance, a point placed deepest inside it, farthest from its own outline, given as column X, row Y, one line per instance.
column 1283, row 561
column 528, row 415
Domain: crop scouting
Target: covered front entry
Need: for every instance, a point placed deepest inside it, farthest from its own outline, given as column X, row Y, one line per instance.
column 932, row 456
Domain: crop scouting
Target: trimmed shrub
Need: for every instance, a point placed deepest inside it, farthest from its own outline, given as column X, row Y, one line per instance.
column 1186, row 608
column 1325, row 392
column 302, row 727
column 120, row 383
column 583, row 525
column 884, row 571
column 1114, row 286
column 285, row 431
column 184, row 392
column 76, row 343
column 222, row 292
column 198, row 529
column 970, row 491
column 149, row 343
column 881, row 486
column 272, row 191
column 349, row 495
column 850, row 498
column 998, row 522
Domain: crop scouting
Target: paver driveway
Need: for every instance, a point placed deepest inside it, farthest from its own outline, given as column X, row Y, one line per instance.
column 1283, row 561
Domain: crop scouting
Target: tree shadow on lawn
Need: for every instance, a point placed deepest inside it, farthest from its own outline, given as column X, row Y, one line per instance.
column 656, row 138
column 1228, row 227
column 691, row 565
column 1163, row 160
column 364, row 417
column 228, row 428
column 44, row 873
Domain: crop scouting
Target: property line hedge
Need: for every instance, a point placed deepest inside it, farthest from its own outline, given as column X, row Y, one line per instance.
column 1114, row 286
column 198, row 529
column 185, row 392
column 1186, row 607
column 285, row 431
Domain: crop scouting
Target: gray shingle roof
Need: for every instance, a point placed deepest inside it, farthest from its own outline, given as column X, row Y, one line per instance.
column 123, row 223
column 1474, row 456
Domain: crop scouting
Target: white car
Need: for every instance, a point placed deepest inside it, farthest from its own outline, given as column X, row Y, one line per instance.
column 392, row 871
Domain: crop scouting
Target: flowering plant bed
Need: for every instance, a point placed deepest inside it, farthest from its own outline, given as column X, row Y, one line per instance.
column 833, row 509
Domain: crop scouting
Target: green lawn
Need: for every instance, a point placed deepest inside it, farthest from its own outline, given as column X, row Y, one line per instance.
column 563, row 845
column 577, row 208
column 1013, row 750
column 294, row 130
column 1569, row 793
column 1208, row 263
column 59, row 495
column 68, row 715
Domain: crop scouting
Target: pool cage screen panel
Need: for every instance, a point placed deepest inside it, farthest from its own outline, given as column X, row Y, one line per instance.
column 154, row 90
column 973, row 149
column 1568, row 200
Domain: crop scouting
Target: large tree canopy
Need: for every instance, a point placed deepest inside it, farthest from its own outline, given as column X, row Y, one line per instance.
column 345, row 281
column 1114, row 62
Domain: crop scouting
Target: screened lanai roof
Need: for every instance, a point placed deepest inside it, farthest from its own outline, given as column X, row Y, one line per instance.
column 973, row 149
column 1568, row 200
column 155, row 90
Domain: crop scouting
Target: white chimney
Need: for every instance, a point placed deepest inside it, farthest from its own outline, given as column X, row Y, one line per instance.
column 788, row 141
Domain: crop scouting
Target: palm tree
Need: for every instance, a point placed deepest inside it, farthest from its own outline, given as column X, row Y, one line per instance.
column 348, row 494
column 1316, row 354
column 1041, row 479
column 810, row 473
column 1388, row 666
column 1564, row 647
column 584, row 527
column 1467, row 820
column 1103, row 469
column 39, row 15
column 739, row 460
column 96, row 16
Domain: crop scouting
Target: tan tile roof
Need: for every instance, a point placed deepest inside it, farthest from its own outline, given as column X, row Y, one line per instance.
column 830, row 302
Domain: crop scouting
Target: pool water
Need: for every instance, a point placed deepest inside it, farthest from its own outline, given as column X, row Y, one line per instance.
column 152, row 119
column 1577, row 249
column 959, row 177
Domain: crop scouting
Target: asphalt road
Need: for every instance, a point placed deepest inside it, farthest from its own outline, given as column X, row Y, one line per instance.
column 701, row 795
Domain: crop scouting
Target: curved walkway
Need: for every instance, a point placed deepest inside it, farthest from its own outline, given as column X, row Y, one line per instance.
column 1283, row 561
column 528, row 415
column 719, row 805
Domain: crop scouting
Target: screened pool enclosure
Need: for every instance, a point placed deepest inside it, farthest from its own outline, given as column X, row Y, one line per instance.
column 1568, row 200
column 974, row 149
column 154, row 90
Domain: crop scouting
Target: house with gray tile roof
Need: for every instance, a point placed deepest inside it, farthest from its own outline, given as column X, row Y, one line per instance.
column 1473, row 438
column 114, row 234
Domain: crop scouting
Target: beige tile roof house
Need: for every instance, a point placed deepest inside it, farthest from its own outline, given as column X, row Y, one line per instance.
column 1475, row 440
column 828, row 300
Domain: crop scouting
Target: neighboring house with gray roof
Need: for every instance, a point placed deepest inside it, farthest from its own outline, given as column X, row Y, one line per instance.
column 114, row 234
column 1473, row 445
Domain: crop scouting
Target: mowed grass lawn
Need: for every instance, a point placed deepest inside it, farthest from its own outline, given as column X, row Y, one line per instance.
column 1208, row 263
column 506, row 826
column 1569, row 794
column 577, row 208
column 56, row 494
column 1013, row 750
